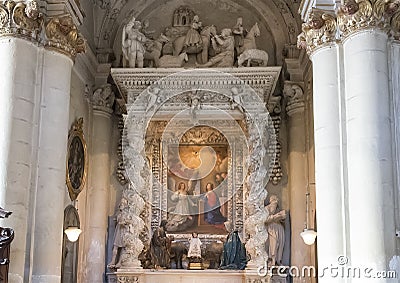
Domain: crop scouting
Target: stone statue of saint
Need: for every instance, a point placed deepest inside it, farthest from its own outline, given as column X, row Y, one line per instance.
column 276, row 231
column 120, row 229
column 133, row 41
column 159, row 247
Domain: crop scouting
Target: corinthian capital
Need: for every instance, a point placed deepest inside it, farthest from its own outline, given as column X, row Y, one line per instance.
column 103, row 99
column 63, row 36
column 355, row 15
column 317, row 31
column 21, row 19
column 295, row 98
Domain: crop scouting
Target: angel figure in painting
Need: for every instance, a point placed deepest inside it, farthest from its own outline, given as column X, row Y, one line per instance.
column 180, row 218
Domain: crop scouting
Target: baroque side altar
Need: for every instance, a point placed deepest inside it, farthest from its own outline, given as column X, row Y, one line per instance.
column 173, row 116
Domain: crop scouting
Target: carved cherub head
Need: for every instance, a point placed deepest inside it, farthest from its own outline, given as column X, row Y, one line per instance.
column 32, row 9
column 350, row 7
column 392, row 7
column 315, row 20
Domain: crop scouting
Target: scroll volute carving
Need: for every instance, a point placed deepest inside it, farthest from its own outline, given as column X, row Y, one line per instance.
column 354, row 15
column 319, row 29
column 62, row 34
column 22, row 18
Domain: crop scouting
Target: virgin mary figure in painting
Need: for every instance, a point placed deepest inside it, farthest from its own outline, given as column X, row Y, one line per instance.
column 212, row 206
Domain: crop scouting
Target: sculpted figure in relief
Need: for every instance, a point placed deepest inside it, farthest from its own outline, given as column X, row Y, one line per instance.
column 224, row 46
column 238, row 33
column 133, row 44
column 193, row 40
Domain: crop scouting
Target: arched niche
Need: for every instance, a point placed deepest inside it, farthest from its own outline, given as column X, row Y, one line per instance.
column 69, row 265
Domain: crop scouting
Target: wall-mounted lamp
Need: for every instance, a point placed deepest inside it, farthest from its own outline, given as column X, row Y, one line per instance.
column 71, row 222
column 308, row 235
column 73, row 233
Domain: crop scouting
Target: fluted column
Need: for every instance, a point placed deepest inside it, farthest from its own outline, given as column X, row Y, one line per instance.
column 369, row 135
column 19, row 57
column 298, row 171
column 98, row 191
column 57, row 62
column 318, row 38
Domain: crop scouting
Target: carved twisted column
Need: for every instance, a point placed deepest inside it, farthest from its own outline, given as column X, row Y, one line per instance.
column 62, row 44
column 255, row 223
column 98, row 192
column 295, row 109
column 364, row 26
column 318, row 38
column 135, row 192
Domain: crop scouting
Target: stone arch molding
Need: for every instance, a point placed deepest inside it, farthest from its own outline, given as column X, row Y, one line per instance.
column 277, row 15
column 144, row 104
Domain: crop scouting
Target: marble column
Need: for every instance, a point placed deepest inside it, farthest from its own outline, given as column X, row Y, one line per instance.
column 52, row 153
column 19, row 53
column 56, row 69
column 98, row 191
column 369, row 149
column 19, row 59
column 318, row 38
column 395, row 93
column 329, row 162
column 298, row 172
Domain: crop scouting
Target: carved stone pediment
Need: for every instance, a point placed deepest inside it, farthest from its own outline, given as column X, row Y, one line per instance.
column 215, row 85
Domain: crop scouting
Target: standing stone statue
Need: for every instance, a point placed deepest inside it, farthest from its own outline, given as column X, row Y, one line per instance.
column 276, row 231
column 133, row 41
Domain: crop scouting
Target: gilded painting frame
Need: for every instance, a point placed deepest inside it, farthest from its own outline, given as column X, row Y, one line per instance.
column 76, row 161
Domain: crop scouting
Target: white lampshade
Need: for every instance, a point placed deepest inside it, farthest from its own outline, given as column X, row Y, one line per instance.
column 73, row 233
column 308, row 236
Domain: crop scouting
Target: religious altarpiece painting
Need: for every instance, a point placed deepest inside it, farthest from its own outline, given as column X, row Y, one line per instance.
column 197, row 180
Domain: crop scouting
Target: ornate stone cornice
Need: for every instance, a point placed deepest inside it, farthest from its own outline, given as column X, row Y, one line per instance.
column 319, row 30
column 103, row 99
column 21, row 19
column 63, row 36
column 295, row 98
column 355, row 15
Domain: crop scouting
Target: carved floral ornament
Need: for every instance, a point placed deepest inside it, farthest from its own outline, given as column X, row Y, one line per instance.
column 324, row 27
column 23, row 19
